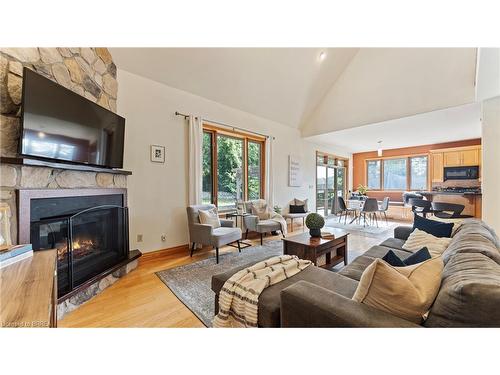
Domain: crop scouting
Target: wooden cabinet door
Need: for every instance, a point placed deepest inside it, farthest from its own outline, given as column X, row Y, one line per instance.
column 470, row 157
column 437, row 167
column 453, row 159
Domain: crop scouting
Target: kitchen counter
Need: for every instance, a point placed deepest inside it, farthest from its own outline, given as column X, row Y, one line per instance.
column 450, row 193
column 470, row 199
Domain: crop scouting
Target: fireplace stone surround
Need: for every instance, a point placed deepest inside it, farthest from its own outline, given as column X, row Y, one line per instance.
column 90, row 72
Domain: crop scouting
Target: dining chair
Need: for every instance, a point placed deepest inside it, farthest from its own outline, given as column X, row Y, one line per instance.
column 371, row 208
column 384, row 207
column 420, row 206
column 343, row 209
column 448, row 210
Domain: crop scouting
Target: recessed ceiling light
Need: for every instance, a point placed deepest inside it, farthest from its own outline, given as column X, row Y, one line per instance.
column 322, row 55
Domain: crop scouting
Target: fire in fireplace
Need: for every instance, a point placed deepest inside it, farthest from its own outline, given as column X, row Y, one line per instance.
column 81, row 248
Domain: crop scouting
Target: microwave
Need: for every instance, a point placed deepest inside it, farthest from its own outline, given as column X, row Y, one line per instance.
column 461, row 173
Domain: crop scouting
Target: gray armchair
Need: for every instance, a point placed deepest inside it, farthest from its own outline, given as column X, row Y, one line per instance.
column 254, row 224
column 204, row 234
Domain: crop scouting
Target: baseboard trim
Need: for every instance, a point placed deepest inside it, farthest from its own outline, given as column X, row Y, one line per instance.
column 174, row 249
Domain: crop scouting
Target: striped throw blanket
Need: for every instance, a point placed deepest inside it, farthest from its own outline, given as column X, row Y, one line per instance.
column 239, row 297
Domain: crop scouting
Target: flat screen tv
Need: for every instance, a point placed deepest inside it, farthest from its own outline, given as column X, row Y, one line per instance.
column 58, row 124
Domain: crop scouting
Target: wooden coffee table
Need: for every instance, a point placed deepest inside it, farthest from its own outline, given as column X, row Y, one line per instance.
column 310, row 248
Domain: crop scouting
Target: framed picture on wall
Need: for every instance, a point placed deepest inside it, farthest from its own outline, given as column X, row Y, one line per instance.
column 157, row 154
column 294, row 171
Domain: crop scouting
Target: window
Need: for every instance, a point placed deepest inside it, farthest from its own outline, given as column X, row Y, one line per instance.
column 232, row 167
column 418, row 173
column 229, row 171
column 254, row 170
column 408, row 173
column 373, row 178
column 395, row 174
column 207, row 169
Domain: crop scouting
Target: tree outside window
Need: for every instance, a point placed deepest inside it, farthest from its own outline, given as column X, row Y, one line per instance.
column 238, row 168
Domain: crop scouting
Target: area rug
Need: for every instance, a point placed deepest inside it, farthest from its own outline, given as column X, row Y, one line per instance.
column 191, row 283
column 368, row 229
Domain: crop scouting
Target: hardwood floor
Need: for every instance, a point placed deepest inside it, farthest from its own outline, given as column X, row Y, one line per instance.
column 140, row 299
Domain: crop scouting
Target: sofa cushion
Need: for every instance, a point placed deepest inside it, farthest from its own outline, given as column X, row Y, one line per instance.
column 472, row 243
column 394, row 243
column 264, row 226
column 433, row 227
column 418, row 239
column 407, row 292
column 224, row 235
column 457, row 223
column 393, row 260
column 478, row 227
column 417, row 257
column 356, row 268
column 269, row 300
column 469, row 294
column 381, row 251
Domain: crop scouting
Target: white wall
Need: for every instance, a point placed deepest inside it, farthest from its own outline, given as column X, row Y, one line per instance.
column 491, row 160
column 157, row 193
column 488, row 73
column 381, row 84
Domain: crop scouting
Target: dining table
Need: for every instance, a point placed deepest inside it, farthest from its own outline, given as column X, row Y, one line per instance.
column 357, row 206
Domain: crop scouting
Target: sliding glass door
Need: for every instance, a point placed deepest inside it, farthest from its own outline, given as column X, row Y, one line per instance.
column 330, row 183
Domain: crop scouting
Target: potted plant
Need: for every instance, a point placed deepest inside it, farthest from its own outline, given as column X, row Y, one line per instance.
column 362, row 190
column 315, row 222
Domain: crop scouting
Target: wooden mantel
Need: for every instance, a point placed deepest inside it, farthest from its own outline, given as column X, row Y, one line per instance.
column 28, row 292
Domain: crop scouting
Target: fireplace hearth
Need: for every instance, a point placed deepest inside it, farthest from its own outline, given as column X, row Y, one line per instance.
column 88, row 227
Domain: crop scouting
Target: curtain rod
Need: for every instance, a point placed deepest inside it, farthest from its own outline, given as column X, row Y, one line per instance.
column 227, row 126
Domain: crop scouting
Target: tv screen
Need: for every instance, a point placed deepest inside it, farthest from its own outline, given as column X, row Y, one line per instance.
column 62, row 125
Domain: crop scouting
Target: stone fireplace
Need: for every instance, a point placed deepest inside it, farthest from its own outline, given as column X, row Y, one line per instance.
column 90, row 72
column 88, row 227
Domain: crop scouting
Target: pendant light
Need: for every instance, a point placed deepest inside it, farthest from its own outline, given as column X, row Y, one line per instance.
column 379, row 149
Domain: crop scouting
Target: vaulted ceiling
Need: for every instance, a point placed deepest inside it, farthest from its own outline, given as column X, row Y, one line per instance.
column 280, row 84
column 347, row 89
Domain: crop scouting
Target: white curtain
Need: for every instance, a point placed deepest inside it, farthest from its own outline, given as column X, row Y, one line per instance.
column 195, row 160
column 269, row 189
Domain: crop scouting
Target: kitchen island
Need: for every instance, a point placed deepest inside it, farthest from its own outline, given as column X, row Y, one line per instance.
column 472, row 200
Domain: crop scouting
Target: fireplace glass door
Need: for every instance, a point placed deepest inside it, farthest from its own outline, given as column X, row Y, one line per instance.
column 88, row 243
column 98, row 241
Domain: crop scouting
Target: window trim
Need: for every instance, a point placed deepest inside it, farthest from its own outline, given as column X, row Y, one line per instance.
column 408, row 171
column 246, row 138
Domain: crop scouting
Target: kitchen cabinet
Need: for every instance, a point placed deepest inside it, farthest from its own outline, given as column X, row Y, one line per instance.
column 470, row 157
column 453, row 157
column 437, row 167
column 462, row 158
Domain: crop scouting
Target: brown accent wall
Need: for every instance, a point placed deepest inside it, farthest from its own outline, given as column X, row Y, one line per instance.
column 359, row 161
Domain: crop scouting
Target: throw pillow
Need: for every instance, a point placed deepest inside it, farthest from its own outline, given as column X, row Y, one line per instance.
column 299, row 202
column 457, row 223
column 432, row 227
column 420, row 256
column 392, row 259
column 297, row 209
column 209, row 217
column 260, row 211
column 418, row 239
column 407, row 292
